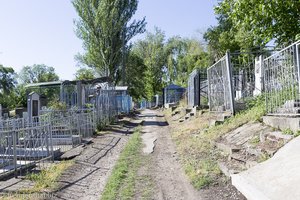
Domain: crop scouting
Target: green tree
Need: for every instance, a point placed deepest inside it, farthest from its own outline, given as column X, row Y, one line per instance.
column 152, row 51
column 7, row 81
column 7, row 84
column 221, row 38
column 176, row 49
column 105, row 26
column 135, row 76
column 37, row 74
column 183, row 56
column 85, row 74
column 259, row 21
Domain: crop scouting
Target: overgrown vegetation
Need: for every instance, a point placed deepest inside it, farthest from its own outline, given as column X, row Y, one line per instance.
column 195, row 143
column 290, row 132
column 46, row 179
column 121, row 183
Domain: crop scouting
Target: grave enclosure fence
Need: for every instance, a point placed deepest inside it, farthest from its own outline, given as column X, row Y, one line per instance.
column 238, row 77
column 27, row 143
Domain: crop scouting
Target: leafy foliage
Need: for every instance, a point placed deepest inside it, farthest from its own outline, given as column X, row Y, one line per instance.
column 255, row 23
column 221, row 38
column 135, row 74
column 85, row 74
column 37, row 74
column 166, row 61
column 7, row 81
column 183, row 56
column 151, row 50
column 105, row 26
column 7, row 84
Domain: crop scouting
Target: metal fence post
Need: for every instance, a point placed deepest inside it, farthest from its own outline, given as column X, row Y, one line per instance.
column 298, row 65
column 229, row 76
column 208, row 91
column 14, row 137
column 51, row 141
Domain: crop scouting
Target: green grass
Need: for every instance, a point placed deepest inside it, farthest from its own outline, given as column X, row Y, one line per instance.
column 199, row 155
column 121, row 183
column 288, row 131
column 255, row 140
column 47, row 178
column 44, row 182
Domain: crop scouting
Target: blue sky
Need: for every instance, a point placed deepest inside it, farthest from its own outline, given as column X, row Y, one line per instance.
column 42, row 31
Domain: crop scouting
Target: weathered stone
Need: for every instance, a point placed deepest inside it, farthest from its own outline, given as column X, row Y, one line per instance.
column 227, row 148
column 72, row 153
column 283, row 122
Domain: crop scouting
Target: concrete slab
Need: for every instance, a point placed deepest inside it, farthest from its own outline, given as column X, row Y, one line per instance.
column 72, row 153
column 275, row 179
column 283, row 122
column 242, row 134
column 149, row 141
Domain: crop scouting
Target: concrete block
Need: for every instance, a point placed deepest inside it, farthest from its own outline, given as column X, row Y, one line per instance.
column 250, row 163
column 275, row 179
column 227, row 148
column 247, row 188
column 224, row 169
column 277, row 135
column 283, row 122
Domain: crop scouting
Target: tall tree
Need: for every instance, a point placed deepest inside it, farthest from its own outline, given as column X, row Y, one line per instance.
column 105, row 26
column 135, row 76
column 183, row 56
column 259, row 21
column 37, row 74
column 85, row 74
column 7, row 84
column 176, row 49
column 152, row 51
column 221, row 37
column 7, row 80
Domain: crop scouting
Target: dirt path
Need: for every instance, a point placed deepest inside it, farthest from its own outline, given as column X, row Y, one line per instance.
column 86, row 179
column 169, row 180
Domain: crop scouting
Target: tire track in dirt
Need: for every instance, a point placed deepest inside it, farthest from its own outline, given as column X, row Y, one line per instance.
column 169, row 180
column 86, row 179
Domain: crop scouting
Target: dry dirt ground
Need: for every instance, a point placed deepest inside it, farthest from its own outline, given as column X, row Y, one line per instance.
column 160, row 177
column 86, row 179
column 163, row 172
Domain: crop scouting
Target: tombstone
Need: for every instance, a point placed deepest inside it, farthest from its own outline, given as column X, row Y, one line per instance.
column 239, row 79
column 156, row 100
column 5, row 115
column 19, row 112
column 79, row 94
column 33, row 106
column 258, row 75
column 25, row 115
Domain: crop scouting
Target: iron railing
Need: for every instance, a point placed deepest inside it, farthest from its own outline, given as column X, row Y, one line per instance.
column 25, row 143
column 281, row 81
column 220, row 89
column 231, row 82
